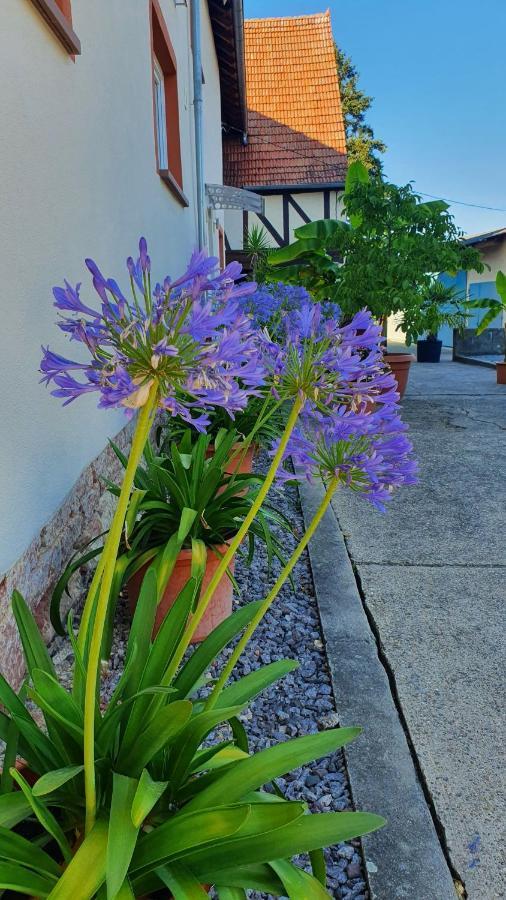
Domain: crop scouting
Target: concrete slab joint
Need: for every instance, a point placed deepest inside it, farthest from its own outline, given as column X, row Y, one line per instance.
column 405, row 859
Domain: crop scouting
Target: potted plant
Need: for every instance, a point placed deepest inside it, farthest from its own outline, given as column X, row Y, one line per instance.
column 381, row 258
column 439, row 305
column 183, row 512
column 128, row 799
column 495, row 307
column 171, row 814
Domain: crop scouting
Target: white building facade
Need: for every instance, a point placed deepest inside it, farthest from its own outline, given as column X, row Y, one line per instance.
column 97, row 147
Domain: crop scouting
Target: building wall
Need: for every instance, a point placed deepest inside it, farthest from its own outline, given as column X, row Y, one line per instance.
column 78, row 178
column 473, row 285
column 311, row 202
column 493, row 254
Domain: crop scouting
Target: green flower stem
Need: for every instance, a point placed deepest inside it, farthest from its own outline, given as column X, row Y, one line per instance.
column 234, row 545
column 271, row 596
column 108, row 563
column 89, row 606
column 248, row 440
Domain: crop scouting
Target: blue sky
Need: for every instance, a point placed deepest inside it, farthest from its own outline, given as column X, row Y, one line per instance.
column 437, row 72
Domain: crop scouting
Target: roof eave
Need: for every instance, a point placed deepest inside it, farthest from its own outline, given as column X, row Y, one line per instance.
column 227, row 22
column 301, row 187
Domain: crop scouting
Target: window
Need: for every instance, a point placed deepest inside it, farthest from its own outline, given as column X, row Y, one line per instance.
column 166, row 105
column 57, row 14
column 160, row 116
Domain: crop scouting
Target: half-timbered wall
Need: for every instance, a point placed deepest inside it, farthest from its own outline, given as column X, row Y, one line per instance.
column 284, row 212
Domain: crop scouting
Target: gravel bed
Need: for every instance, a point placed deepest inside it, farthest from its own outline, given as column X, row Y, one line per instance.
column 301, row 703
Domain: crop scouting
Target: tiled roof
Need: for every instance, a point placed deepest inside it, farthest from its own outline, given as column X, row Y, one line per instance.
column 295, row 121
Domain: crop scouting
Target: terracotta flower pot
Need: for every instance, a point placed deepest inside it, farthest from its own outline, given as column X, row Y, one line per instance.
column 500, row 369
column 234, row 467
column 399, row 364
column 220, row 606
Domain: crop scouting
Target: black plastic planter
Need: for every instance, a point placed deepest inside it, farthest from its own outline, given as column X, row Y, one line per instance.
column 428, row 351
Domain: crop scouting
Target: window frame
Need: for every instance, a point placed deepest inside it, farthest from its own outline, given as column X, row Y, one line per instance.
column 163, row 56
column 57, row 14
column 160, row 116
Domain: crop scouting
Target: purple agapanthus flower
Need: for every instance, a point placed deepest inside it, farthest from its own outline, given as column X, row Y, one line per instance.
column 188, row 338
column 350, row 426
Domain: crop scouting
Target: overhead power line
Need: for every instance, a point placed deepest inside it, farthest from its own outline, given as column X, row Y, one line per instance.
column 463, row 202
column 320, row 164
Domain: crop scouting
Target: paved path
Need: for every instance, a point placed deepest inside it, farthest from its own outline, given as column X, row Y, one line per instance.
column 432, row 574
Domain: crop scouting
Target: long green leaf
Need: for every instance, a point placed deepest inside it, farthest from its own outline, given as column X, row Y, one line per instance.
column 299, row 884
column 205, row 653
column 243, row 690
column 318, row 865
column 51, row 781
column 62, row 585
column 305, row 834
column 34, row 648
column 17, row 878
column 86, row 872
column 122, row 835
column 181, row 883
column 60, row 705
column 146, row 797
column 17, row 849
column 191, row 737
column 44, row 815
column 13, row 809
column 271, row 763
column 158, row 734
column 231, row 893
column 184, row 832
column 159, row 658
column 11, row 751
column 259, row 877
column 140, row 632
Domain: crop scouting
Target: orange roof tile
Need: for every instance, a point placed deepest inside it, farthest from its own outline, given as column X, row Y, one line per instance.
column 295, row 121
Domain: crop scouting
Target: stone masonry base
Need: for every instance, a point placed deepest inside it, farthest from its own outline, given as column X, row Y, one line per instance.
column 84, row 514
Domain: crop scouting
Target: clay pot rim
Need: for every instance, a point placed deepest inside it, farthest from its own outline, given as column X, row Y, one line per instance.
column 186, row 552
column 400, row 357
column 236, row 446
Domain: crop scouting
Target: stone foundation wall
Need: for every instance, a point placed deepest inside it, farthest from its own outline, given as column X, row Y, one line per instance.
column 84, row 514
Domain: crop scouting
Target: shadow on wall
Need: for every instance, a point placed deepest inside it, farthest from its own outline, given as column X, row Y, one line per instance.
column 277, row 154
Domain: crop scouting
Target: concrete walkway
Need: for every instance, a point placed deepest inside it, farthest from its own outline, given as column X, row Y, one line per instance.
column 432, row 577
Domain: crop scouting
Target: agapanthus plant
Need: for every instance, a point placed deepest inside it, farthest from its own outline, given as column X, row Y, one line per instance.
column 270, row 303
column 187, row 338
column 186, row 347
column 344, row 423
column 183, row 346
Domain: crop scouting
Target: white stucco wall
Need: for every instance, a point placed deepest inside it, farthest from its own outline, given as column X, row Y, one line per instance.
column 78, row 178
column 493, row 254
column 310, row 201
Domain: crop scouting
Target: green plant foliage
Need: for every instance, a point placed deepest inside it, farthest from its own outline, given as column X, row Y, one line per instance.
column 173, row 811
column 183, row 498
column 257, row 246
column 494, row 306
column 261, row 422
column 361, row 144
column 440, row 304
column 383, row 257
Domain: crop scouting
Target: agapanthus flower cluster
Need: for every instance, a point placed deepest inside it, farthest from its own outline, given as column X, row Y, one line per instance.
column 326, row 363
column 349, row 427
column 187, row 336
column 270, row 303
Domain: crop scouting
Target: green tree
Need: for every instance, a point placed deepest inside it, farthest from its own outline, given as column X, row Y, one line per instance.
column 383, row 258
column 362, row 145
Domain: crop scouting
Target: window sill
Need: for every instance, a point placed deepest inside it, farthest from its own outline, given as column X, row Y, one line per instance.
column 59, row 24
column 168, row 179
